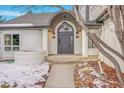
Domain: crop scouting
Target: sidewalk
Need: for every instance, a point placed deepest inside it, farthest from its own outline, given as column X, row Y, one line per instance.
column 61, row 76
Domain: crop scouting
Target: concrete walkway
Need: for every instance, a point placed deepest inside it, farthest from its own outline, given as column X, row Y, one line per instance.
column 61, row 76
column 62, row 71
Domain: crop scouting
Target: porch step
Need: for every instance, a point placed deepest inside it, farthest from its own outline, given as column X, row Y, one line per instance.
column 67, row 59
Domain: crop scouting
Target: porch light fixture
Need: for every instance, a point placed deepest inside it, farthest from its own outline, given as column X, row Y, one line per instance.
column 77, row 34
column 53, row 35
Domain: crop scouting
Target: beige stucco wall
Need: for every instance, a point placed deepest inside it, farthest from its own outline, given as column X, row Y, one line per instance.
column 83, row 12
column 52, row 42
column 108, row 35
column 29, row 40
column 95, row 11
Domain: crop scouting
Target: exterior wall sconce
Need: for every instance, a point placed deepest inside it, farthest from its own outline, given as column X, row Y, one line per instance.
column 53, row 35
column 77, row 34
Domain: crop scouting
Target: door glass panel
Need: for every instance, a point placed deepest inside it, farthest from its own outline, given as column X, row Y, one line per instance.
column 7, row 39
column 65, row 27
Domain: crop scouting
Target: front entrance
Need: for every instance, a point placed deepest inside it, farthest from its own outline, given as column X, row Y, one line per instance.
column 65, row 39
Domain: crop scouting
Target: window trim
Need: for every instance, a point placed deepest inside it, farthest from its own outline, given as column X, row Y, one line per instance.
column 11, row 46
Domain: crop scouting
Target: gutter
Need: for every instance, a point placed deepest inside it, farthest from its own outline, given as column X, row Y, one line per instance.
column 93, row 25
column 22, row 27
column 102, row 17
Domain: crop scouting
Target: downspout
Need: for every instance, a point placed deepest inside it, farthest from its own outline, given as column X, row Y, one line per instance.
column 102, row 60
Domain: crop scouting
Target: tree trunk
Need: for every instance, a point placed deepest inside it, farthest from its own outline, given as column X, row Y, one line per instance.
column 122, row 12
column 112, row 59
column 116, row 14
column 91, row 36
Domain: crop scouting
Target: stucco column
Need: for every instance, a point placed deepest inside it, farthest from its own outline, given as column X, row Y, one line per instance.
column 84, row 44
column 45, row 40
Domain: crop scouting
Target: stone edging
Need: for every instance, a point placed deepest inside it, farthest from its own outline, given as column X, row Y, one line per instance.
column 48, row 75
column 77, row 81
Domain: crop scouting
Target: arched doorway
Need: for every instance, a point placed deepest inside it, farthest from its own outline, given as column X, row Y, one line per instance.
column 65, row 40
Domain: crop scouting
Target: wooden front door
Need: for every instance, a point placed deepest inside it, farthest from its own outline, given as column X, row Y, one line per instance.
column 65, row 39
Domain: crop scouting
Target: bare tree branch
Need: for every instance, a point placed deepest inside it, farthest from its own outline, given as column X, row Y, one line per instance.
column 117, row 15
column 58, row 6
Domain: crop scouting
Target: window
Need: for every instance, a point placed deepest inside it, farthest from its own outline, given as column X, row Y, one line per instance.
column 65, row 27
column 90, row 43
column 11, row 42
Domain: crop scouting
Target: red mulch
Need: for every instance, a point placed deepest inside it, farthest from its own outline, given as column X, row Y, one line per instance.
column 108, row 80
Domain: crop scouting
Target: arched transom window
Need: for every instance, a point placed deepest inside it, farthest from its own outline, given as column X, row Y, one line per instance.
column 65, row 27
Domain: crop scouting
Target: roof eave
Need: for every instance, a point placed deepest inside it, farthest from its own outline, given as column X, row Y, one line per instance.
column 23, row 27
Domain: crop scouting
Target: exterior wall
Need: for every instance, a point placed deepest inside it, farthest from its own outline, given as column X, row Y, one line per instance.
column 84, row 44
column 92, row 51
column 52, row 42
column 45, row 41
column 94, row 11
column 29, row 40
column 78, row 44
column 108, row 35
column 83, row 12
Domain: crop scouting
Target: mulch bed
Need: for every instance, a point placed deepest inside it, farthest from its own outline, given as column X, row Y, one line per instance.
column 87, row 75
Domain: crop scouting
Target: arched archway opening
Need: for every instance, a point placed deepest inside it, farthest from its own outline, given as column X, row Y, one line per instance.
column 56, row 22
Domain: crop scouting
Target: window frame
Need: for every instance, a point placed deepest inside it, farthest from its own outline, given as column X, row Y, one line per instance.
column 92, row 44
column 11, row 46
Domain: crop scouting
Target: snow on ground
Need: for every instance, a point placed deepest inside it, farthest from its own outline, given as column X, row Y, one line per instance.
column 88, row 75
column 12, row 75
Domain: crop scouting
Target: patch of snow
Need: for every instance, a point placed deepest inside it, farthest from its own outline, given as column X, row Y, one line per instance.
column 79, row 71
column 98, row 83
column 23, row 76
column 95, row 73
column 81, row 75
